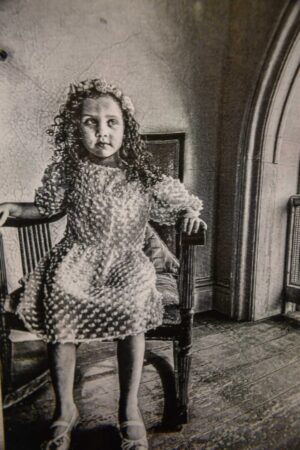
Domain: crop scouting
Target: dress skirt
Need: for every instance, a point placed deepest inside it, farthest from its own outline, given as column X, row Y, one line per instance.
column 97, row 283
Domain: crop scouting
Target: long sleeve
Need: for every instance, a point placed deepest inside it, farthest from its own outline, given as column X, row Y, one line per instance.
column 50, row 197
column 169, row 199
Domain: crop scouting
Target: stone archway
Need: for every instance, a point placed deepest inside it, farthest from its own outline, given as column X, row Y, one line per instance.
column 268, row 174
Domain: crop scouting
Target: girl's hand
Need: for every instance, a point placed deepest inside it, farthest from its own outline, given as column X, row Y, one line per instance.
column 4, row 213
column 192, row 222
column 18, row 211
column 9, row 209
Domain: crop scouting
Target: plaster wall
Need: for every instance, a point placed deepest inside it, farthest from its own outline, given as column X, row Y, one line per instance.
column 168, row 57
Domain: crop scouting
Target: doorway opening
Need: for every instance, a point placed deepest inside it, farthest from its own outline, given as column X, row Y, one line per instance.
column 268, row 175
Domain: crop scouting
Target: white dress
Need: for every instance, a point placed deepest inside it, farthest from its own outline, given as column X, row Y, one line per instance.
column 97, row 283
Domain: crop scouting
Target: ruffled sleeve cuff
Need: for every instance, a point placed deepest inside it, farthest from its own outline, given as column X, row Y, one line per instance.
column 170, row 199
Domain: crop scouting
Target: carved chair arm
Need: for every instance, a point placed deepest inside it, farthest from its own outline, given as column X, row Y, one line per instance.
column 18, row 222
column 193, row 239
column 188, row 245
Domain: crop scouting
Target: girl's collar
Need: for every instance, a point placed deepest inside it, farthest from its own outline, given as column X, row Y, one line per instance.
column 117, row 164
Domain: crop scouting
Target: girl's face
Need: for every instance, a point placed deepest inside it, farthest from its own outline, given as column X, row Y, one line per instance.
column 102, row 126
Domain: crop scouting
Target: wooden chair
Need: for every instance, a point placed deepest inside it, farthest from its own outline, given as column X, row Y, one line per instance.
column 35, row 241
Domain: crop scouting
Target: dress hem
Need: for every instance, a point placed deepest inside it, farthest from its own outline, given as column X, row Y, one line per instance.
column 78, row 341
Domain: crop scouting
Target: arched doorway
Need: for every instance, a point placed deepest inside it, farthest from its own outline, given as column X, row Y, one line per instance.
column 268, row 175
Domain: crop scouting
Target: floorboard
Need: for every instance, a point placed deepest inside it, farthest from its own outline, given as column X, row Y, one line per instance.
column 244, row 393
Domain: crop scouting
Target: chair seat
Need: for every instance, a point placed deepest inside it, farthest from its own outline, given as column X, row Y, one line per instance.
column 171, row 315
column 166, row 284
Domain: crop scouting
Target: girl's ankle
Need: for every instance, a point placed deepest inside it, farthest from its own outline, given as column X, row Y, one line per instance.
column 135, row 430
column 128, row 411
column 66, row 411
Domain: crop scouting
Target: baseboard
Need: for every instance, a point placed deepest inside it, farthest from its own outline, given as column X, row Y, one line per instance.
column 221, row 299
column 204, row 291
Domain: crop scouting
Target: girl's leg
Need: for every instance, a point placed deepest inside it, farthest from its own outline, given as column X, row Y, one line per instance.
column 62, row 358
column 130, row 353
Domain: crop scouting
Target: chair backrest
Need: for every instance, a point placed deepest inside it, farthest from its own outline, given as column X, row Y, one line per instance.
column 22, row 246
column 168, row 154
column 35, row 242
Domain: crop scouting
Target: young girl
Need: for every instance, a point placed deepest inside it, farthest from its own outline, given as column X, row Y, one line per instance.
column 96, row 283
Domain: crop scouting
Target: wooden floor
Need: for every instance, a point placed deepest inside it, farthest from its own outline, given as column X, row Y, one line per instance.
column 245, row 392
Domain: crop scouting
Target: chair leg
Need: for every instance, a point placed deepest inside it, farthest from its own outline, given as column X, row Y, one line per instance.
column 5, row 353
column 183, row 364
column 175, row 356
column 184, row 367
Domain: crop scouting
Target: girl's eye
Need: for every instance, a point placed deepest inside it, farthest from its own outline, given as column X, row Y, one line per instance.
column 112, row 122
column 90, row 121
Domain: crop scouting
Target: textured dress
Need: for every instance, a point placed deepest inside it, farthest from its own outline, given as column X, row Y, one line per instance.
column 97, row 283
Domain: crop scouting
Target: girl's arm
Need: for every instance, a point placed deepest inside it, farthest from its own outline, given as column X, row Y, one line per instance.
column 171, row 201
column 49, row 198
column 19, row 211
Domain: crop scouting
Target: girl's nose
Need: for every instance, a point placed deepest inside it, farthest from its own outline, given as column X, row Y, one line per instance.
column 102, row 130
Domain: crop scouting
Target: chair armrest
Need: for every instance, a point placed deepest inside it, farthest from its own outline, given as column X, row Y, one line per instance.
column 188, row 245
column 18, row 222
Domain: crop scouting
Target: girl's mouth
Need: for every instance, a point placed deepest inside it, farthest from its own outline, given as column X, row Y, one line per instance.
column 101, row 144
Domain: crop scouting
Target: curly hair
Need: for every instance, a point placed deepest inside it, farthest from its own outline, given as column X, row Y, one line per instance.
column 67, row 135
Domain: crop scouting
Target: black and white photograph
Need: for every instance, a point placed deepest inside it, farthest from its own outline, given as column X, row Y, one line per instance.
column 149, row 224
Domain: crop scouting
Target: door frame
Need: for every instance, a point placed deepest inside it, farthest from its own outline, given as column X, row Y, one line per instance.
column 249, row 169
